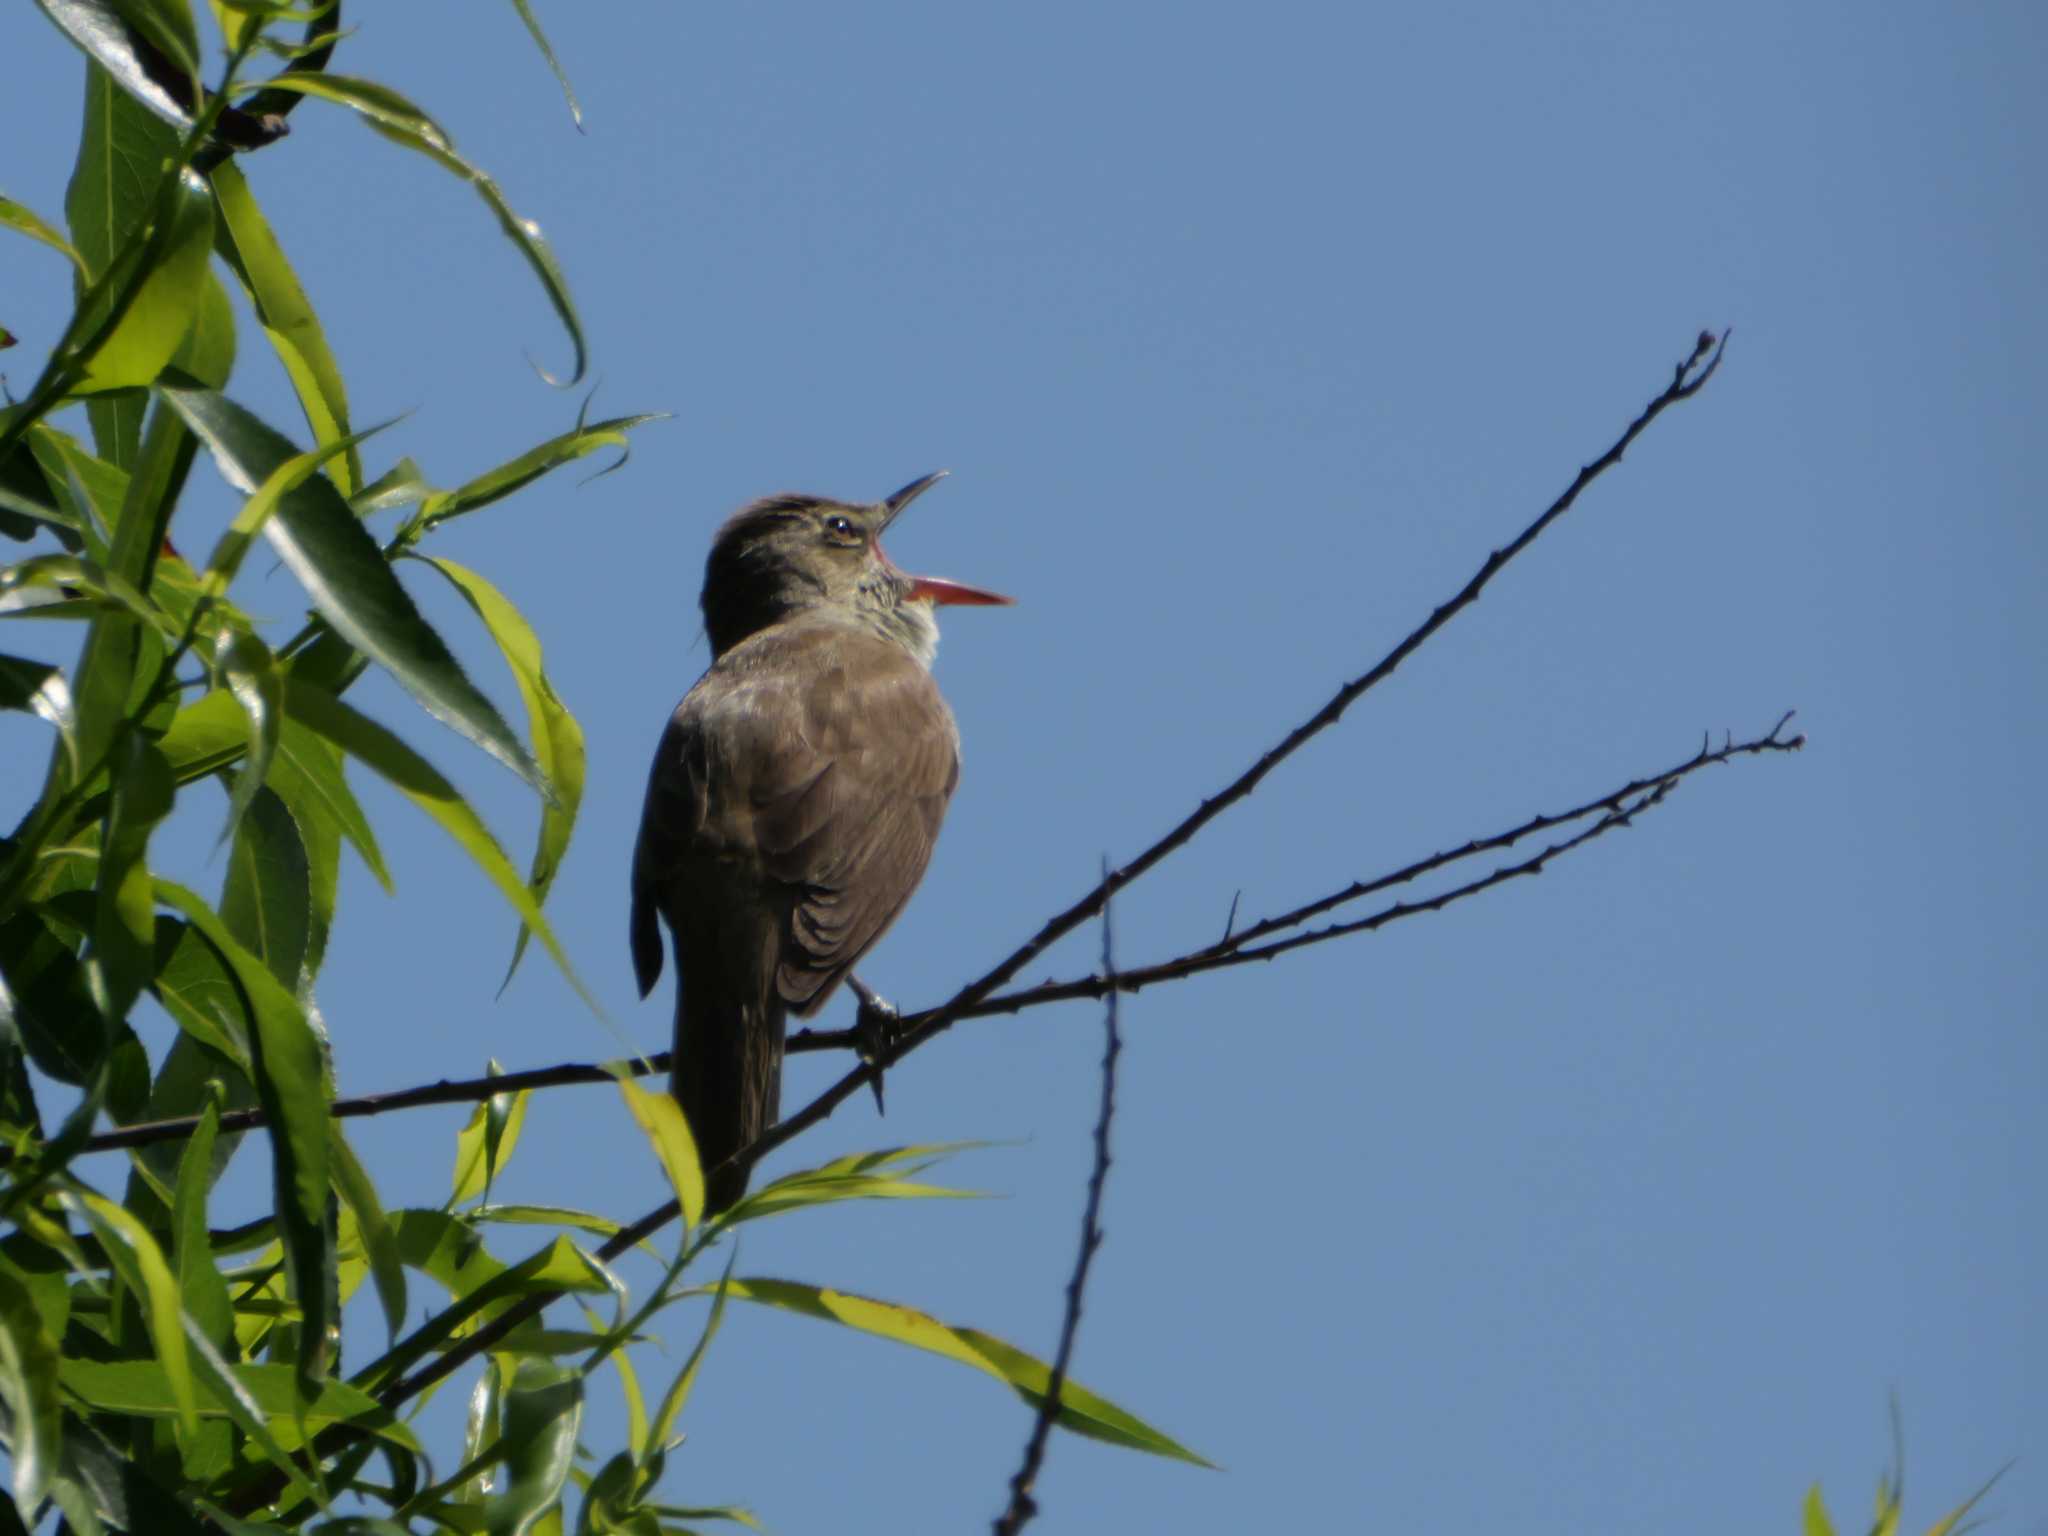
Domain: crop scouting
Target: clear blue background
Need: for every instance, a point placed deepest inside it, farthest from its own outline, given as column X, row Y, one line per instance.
column 1621, row 1198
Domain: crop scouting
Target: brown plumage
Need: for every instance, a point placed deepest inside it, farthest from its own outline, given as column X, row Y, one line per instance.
column 794, row 799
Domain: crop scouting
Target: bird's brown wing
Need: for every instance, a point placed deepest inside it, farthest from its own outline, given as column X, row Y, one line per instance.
column 821, row 755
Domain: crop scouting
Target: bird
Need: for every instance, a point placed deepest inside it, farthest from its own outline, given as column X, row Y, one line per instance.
column 794, row 799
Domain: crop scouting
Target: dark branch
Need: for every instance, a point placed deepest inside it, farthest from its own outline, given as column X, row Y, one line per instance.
column 1687, row 379
column 1022, row 1504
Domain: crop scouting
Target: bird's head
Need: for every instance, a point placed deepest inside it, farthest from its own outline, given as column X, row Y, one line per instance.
column 787, row 554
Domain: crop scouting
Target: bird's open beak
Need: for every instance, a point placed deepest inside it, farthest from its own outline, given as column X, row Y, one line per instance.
column 936, row 589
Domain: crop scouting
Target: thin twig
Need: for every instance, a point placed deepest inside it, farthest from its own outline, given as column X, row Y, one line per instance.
column 1022, row 1504
column 472, row 1089
column 1688, row 377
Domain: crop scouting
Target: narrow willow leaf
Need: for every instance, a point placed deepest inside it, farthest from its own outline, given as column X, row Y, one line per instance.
column 414, row 777
column 199, row 992
column 92, row 490
column 660, row 1119
column 398, row 119
column 540, row 41
column 121, row 150
column 49, row 999
column 140, row 1263
column 658, row 1434
column 484, row 1144
column 30, row 499
column 135, row 348
column 28, row 1386
column 481, row 1433
column 287, row 318
column 208, row 351
column 263, row 1392
column 399, row 486
column 541, row 1413
column 14, row 216
column 294, row 472
column 291, row 1081
column 514, row 474
column 266, row 898
column 556, row 738
column 199, row 1282
column 37, row 688
column 123, row 954
column 258, row 686
column 58, row 576
column 380, row 1242
column 1081, row 1410
column 95, row 26
column 347, row 578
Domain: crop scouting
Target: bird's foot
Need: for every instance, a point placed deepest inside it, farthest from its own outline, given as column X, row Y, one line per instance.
column 875, row 1031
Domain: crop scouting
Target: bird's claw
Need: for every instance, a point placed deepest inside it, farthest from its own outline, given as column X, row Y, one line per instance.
column 875, row 1029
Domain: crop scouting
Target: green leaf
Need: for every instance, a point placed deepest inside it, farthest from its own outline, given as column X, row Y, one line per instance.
column 660, row 1119
column 67, row 575
column 165, row 307
column 417, row 779
column 889, row 1174
column 199, row 1282
column 14, row 216
column 485, row 1143
column 50, row 999
column 542, row 1410
column 349, row 581
column 265, row 1392
column 123, row 955
column 93, row 489
column 658, row 1439
column 121, row 152
column 496, row 484
column 540, row 41
column 166, row 84
column 287, row 318
column 1081, row 1410
column 208, row 350
column 556, row 737
column 198, row 990
column 28, row 1386
column 481, row 1435
column 399, row 486
column 398, row 119
column 258, row 686
column 266, row 901
column 380, row 1242
column 37, row 688
column 140, row 1263
column 291, row 1083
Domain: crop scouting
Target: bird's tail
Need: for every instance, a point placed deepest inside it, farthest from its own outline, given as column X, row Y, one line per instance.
column 728, row 1064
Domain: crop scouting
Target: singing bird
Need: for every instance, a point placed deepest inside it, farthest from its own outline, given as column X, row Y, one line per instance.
column 795, row 796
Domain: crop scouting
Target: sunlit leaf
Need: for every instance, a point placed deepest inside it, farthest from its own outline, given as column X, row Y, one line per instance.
column 140, row 1263
column 660, row 1431
column 556, row 738
column 415, row 778
column 484, row 1144
column 1081, row 1410
column 14, row 216
column 349, row 581
column 287, row 318
column 257, row 685
column 28, row 1386
column 660, row 1119
column 494, row 485
column 208, row 351
column 398, row 119
column 168, row 83
column 121, row 152
column 165, row 305
column 37, row 688
column 264, row 1391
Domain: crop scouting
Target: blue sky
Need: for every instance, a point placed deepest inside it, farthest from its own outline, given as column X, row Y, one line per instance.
column 1624, row 1196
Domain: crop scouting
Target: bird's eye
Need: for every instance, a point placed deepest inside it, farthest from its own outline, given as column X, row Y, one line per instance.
column 842, row 526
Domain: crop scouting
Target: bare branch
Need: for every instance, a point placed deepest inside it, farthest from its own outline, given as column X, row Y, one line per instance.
column 1022, row 1504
